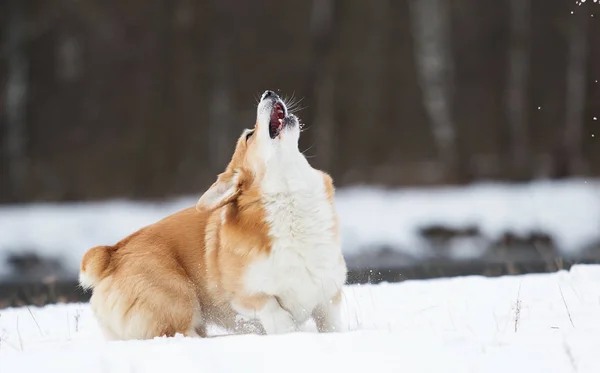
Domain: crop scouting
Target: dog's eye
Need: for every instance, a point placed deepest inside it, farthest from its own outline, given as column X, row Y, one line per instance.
column 249, row 134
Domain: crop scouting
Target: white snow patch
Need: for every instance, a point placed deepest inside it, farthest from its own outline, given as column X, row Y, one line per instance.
column 67, row 230
column 464, row 324
column 568, row 210
column 370, row 218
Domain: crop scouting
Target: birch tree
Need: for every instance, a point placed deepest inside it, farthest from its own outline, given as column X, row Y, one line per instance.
column 221, row 99
column 431, row 33
column 322, row 79
column 576, row 94
column 518, row 71
column 15, row 97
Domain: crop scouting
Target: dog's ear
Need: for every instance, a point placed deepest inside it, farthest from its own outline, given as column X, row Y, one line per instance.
column 222, row 192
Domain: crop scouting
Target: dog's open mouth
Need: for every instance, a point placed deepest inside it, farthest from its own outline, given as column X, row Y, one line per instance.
column 276, row 122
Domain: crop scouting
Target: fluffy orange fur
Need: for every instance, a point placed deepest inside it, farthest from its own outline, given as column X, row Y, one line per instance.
column 185, row 271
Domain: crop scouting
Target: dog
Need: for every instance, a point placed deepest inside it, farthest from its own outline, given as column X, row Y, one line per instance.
column 259, row 252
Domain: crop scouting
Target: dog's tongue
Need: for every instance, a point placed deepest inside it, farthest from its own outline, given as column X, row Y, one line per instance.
column 276, row 120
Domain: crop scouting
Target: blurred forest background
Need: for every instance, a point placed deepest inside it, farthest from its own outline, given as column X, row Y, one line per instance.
column 144, row 99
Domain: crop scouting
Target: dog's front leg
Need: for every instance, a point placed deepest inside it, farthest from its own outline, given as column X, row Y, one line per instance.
column 328, row 317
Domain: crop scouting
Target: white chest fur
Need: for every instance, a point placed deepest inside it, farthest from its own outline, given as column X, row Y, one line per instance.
column 303, row 268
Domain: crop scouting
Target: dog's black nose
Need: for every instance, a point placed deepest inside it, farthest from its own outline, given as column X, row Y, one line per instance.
column 269, row 93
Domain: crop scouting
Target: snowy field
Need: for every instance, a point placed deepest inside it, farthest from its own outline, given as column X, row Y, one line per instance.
column 532, row 323
column 370, row 218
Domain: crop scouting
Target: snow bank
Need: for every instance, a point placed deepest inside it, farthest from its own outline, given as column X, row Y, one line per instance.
column 569, row 210
column 371, row 218
column 532, row 323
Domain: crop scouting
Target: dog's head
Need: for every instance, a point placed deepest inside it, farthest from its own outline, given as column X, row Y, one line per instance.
column 271, row 144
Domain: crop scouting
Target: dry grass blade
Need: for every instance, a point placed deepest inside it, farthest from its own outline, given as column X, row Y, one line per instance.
column 566, row 306
column 518, row 309
column 35, row 321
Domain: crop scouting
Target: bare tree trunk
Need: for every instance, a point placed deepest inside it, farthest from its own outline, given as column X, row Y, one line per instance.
column 221, row 99
column 431, row 32
column 153, row 97
column 69, row 57
column 16, row 98
column 576, row 75
column 518, row 71
column 322, row 80
column 373, row 81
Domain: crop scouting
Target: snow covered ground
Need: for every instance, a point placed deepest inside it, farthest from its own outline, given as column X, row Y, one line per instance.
column 370, row 218
column 532, row 323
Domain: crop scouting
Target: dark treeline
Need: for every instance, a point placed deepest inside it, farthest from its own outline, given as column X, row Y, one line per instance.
column 145, row 98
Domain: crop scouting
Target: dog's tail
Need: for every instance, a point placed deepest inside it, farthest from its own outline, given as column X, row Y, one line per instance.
column 94, row 266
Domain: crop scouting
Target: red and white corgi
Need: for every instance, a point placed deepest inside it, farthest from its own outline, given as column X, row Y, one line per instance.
column 260, row 248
